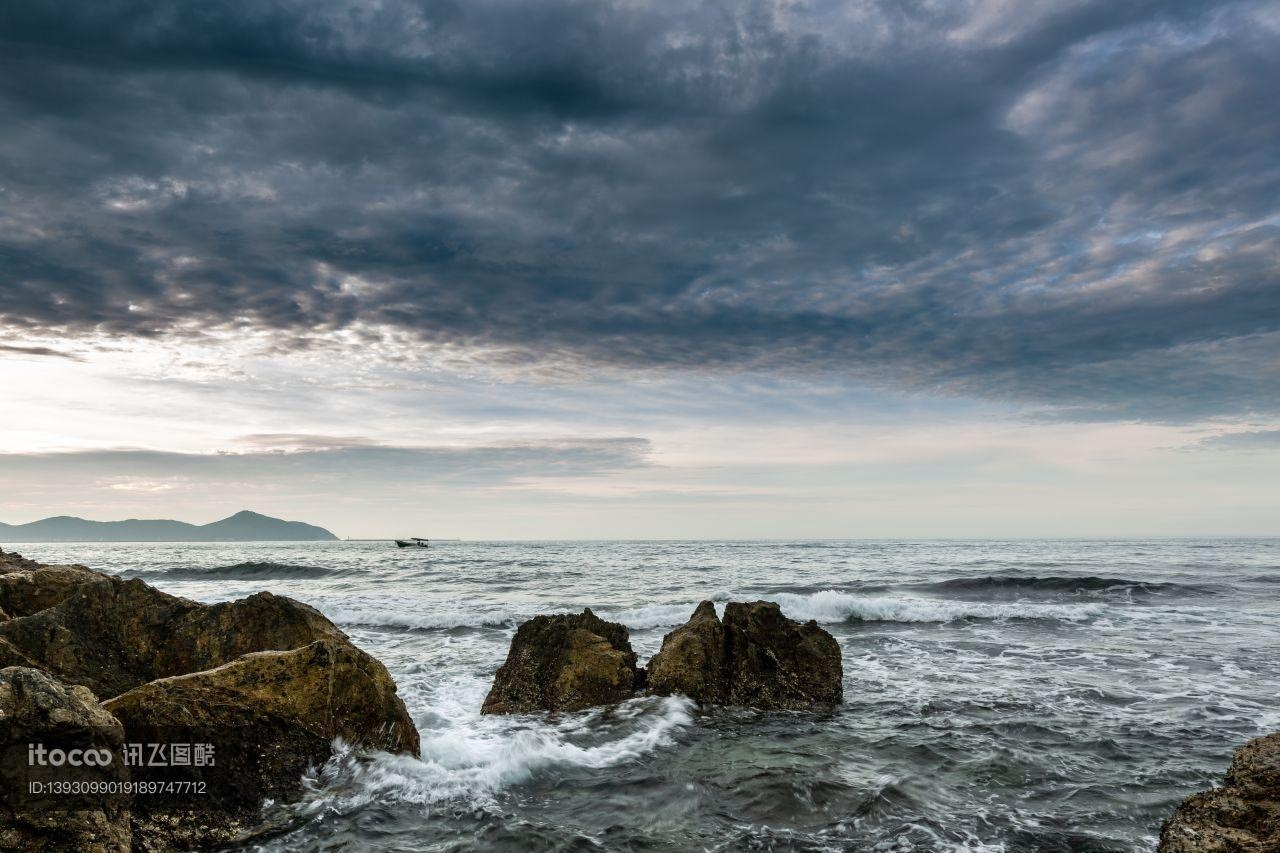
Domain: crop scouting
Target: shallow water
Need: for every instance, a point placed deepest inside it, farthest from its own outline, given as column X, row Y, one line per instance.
column 1000, row 696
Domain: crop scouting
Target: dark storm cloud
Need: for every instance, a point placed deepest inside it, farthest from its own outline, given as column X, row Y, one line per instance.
column 1067, row 204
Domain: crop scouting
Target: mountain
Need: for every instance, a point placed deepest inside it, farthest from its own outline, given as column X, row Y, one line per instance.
column 244, row 526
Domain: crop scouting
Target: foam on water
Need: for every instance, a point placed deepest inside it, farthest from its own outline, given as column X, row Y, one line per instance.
column 1017, row 696
column 470, row 758
column 831, row 606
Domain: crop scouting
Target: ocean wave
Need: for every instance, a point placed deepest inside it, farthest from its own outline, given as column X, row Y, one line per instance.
column 472, row 758
column 1060, row 584
column 833, row 607
column 828, row 606
column 447, row 617
column 653, row 615
column 240, row 571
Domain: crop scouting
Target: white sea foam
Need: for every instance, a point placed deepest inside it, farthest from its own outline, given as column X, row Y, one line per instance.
column 826, row 606
column 831, row 606
column 469, row 758
column 653, row 615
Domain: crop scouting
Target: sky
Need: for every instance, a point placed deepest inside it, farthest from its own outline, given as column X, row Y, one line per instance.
column 635, row 269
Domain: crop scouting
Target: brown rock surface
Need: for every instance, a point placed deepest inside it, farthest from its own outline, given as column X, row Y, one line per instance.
column 754, row 657
column 267, row 681
column 30, row 590
column 1241, row 816
column 37, row 709
column 692, row 659
column 112, row 635
column 564, row 663
column 269, row 716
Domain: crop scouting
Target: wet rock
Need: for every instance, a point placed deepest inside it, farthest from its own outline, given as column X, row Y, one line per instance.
column 1241, row 816
column 112, row 635
column 269, row 716
column 564, row 663
column 63, row 722
column 755, row 657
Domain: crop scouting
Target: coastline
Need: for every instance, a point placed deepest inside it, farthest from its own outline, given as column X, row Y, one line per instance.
column 937, row 699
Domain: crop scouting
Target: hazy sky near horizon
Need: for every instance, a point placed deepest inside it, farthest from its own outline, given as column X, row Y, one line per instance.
column 572, row 269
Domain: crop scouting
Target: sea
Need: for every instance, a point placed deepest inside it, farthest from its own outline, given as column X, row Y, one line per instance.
column 999, row 696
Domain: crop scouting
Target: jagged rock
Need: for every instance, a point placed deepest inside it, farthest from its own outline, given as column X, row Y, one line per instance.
column 754, row 657
column 30, row 590
column 27, row 587
column 266, row 680
column 11, row 562
column 564, row 663
column 36, row 709
column 269, row 716
column 692, row 659
column 112, row 635
column 1241, row 816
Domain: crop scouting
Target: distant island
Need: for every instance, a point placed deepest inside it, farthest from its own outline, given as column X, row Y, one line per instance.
column 244, row 526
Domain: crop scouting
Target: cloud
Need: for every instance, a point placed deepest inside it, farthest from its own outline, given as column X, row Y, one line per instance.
column 1265, row 440
column 334, row 460
column 1073, row 208
column 38, row 351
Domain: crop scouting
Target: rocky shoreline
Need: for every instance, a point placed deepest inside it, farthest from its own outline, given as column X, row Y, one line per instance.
column 93, row 664
column 1240, row 816
column 90, row 664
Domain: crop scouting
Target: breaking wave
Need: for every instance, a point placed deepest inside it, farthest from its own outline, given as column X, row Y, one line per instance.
column 833, row 607
column 243, row 571
column 472, row 758
column 1061, row 584
column 446, row 618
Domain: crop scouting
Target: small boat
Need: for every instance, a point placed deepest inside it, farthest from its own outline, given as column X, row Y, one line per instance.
column 412, row 542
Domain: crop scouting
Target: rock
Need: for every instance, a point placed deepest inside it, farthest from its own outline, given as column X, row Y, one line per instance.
column 12, row 562
column 1241, row 816
column 564, row 663
column 105, row 636
column 36, row 709
column 267, row 681
column 112, row 635
column 755, row 657
column 269, row 716
column 692, row 660
column 27, row 591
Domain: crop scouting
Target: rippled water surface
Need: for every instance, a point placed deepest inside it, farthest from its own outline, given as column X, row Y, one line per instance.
column 1000, row 696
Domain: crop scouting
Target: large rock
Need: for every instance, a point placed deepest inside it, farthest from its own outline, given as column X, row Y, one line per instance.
column 269, row 716
column 564, row 663
column 11, row 562
column 754, row 657
column 1241, row 816
column 269, row 682
column 112, row 635
column 61, row 720
column 24, row 591
column 692, row 660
